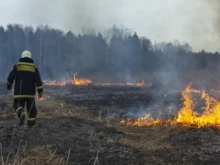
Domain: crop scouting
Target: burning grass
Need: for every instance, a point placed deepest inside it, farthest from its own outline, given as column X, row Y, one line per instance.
column 75, row 80
column 41, row 99
column 187, row 116
column 78, row 81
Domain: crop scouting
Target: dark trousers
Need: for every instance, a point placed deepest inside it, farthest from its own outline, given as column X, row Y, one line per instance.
column 19, row 105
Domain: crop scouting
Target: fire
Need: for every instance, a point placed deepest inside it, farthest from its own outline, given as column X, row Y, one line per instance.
column 55, row 83
column 146, row 120
column 42, row 98
column 140, row 84
column 187, row 115
column 77, row 81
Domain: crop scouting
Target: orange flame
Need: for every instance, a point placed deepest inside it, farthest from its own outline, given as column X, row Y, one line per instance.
column 140, row 84
column 77, row 81
column 41, row 99
column 146, row 120
column 186, row 116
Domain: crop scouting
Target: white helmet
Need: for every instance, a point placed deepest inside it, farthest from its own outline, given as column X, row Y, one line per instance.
column 26, row 54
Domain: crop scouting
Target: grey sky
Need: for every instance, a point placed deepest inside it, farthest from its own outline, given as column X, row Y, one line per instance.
column 192, row 21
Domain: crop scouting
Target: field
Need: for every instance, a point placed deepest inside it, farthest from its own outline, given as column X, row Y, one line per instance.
column 81, row 125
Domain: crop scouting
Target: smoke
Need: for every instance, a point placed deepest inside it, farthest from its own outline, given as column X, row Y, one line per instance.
column 214, row 12
column 215, row 8
column 90, row 16
column 161, row 107
column 82, row 16
column 185, row 20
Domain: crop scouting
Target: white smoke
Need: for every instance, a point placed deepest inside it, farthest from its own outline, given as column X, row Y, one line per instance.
column 192, row 21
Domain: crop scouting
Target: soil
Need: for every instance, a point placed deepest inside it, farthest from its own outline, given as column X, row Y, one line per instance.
column 81, row 125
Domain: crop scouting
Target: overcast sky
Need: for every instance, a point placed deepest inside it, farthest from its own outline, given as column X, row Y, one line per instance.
column 192, row 21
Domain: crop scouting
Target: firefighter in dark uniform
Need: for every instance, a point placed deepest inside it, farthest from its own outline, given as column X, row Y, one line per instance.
column 27, row 80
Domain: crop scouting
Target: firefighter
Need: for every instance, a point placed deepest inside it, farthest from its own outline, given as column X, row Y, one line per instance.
column 27, row 80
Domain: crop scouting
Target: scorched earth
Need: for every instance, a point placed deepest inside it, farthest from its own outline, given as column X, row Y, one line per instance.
column 114, row 125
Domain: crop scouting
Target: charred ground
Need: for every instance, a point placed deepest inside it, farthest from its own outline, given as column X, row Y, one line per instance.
column 81, row 124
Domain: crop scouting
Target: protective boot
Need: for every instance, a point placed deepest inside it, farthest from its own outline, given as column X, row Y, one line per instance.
column 22, row 118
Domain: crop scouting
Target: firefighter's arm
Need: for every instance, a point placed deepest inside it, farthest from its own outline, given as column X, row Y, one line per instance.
column 11, row 78
column 39, row 84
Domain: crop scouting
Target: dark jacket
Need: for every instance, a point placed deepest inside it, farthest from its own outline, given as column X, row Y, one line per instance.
column 27, row 79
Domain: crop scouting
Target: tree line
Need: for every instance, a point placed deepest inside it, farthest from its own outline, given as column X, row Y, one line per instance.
column 118, row 54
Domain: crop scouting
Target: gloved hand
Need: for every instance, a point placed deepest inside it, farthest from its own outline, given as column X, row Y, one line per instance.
column 8, row 87
column 40, row 95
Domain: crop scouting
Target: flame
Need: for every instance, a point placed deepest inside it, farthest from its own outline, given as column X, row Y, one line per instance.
column 187, row 115
column 55, row 83
column 77, row 81
column 146, row 120
column 140, row 84
column 42, row 98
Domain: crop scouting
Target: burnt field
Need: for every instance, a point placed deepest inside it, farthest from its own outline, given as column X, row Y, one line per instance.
column 81, row 125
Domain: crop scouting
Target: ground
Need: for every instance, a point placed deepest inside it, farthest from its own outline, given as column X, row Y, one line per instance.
column 81, row 125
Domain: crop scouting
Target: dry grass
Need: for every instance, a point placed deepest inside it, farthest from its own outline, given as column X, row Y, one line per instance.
column 53, row 109
column 42, row 154
column 49, row 109
column 37, row 156
column 146, row 139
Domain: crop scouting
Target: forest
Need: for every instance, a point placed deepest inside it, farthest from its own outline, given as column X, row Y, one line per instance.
column 116, row 55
